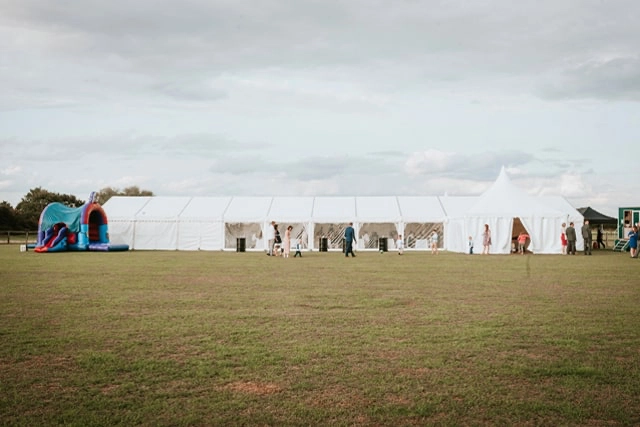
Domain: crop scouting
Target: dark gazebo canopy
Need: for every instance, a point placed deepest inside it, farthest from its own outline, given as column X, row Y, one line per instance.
column 596, row 218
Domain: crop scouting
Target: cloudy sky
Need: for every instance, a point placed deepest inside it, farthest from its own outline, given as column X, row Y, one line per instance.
column 321, row 97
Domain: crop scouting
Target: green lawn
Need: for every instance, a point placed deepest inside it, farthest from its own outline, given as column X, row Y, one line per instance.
column 212, row 338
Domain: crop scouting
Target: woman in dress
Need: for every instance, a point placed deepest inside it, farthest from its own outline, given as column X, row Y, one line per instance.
column 434, row 242
column 277, row 241
column 486, row 240
column 287, row 241
column 563, row 239
column 633, row 242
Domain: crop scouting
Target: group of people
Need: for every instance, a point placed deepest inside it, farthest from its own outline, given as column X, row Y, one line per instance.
column 278, row 246
column 350, row 238
column 568, row 238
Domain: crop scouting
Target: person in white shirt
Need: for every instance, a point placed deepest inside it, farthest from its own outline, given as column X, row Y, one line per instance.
column 400, row 244
column 434, row 242
column 270, row 235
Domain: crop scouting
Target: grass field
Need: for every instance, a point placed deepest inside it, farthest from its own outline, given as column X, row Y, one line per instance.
column 211, row 338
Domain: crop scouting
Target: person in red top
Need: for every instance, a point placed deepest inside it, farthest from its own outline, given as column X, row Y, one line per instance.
column 522, row 242
column 563, row 239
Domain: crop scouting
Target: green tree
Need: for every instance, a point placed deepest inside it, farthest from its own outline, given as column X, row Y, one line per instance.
column 33, row 203
column 134, row 191
column 7, row 217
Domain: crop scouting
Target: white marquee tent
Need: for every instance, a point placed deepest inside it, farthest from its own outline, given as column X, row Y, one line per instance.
column 219, row 223
column 508, row 210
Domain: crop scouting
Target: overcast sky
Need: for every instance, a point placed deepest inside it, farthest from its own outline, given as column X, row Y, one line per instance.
column 321, row 97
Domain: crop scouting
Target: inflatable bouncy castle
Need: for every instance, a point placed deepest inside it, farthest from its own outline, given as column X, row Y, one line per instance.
column 62, row 228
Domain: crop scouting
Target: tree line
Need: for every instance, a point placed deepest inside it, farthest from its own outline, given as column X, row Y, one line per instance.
column 26, row 214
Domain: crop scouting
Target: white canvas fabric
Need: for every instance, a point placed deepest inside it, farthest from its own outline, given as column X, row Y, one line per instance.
column 201, row 224
column 121, row 213
column 156, row 225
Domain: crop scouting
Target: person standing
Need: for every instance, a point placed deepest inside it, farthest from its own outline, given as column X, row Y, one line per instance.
column 287, row 241
column 586, row 235
column 486, row 240
column 400, row 244
column 522, row 242
column 270, row 235
column 470, row 245
column 434, row 242
column 563, row 238
column 349, row 238
column 277, row 241
column 633, row 242
column 600, row 236
column 571, row 239
column 298, row 249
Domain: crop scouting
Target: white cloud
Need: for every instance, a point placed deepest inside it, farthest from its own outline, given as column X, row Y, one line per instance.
column 333, row 97
column 429, row 161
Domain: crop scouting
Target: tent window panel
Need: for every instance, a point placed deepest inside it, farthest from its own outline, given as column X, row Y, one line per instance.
column 370, row 233
column 252, row 232
column 333, row 232
column 418, row 234
column 298, row 232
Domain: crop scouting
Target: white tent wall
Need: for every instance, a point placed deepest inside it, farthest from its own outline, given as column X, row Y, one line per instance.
column 571, row 215
column 157, row 223
column 500, row 227
column 201, row 226
column 200, row 235
column 121, row 214
column 545, row 237
column 455, row 236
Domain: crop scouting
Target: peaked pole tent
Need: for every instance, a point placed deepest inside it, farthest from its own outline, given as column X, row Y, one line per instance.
column 508, row 210
column 597, row 218
column 62, row 228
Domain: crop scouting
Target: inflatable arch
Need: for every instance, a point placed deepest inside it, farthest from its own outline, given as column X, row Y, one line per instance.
column 62, row 228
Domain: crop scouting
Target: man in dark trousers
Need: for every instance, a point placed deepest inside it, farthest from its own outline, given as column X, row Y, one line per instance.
column 570, row 232
column 586, row 235
column 349, row 238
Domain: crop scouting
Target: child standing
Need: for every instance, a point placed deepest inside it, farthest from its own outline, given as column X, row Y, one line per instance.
column 400, row 244
column 434, row 242
column 522, row 242
column 298, row 248
column 470, row 245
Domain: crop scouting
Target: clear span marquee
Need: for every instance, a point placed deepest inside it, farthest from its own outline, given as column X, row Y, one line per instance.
column 216, row 223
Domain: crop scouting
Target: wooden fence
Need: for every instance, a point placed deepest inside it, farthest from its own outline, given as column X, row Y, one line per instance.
column 18, row 237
